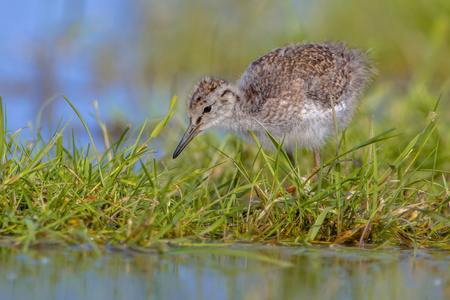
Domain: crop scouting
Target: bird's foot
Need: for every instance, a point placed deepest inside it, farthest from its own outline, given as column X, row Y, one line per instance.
column 290, row 189
column 306, row 180
column 310, row 178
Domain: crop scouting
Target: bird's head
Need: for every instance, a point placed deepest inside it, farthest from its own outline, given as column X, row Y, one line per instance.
column 210, row 105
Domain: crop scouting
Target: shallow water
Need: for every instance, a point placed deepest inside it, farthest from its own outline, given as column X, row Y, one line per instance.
column 225, row 273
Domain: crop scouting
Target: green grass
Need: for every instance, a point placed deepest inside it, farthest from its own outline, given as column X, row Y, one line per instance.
column 379, row 186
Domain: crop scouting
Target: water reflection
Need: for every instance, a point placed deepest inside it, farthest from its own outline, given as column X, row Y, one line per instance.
column 315, row 274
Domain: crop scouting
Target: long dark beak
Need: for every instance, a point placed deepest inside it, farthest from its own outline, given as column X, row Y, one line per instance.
column 190, row 133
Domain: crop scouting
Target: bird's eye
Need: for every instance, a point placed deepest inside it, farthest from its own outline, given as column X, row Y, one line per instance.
column 207, row 109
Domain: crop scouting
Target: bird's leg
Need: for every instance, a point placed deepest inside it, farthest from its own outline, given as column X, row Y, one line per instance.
column 291, row 158
column 316, row 166
column 290, row 189
column 316, row 159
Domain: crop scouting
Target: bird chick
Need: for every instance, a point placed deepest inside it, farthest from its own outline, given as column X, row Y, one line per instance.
column 288, row 92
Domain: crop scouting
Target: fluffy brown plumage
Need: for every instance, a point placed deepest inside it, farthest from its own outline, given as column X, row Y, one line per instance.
column 289, row 92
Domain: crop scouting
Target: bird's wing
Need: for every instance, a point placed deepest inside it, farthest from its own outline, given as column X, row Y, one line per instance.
column 297, row 72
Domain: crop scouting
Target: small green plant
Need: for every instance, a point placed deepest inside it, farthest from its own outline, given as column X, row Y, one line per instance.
column 54, row 192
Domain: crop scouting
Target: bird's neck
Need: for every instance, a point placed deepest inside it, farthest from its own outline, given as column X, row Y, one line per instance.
column 241, row 120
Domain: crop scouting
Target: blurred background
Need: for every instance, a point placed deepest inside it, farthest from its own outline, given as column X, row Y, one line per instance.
column 133, row 56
